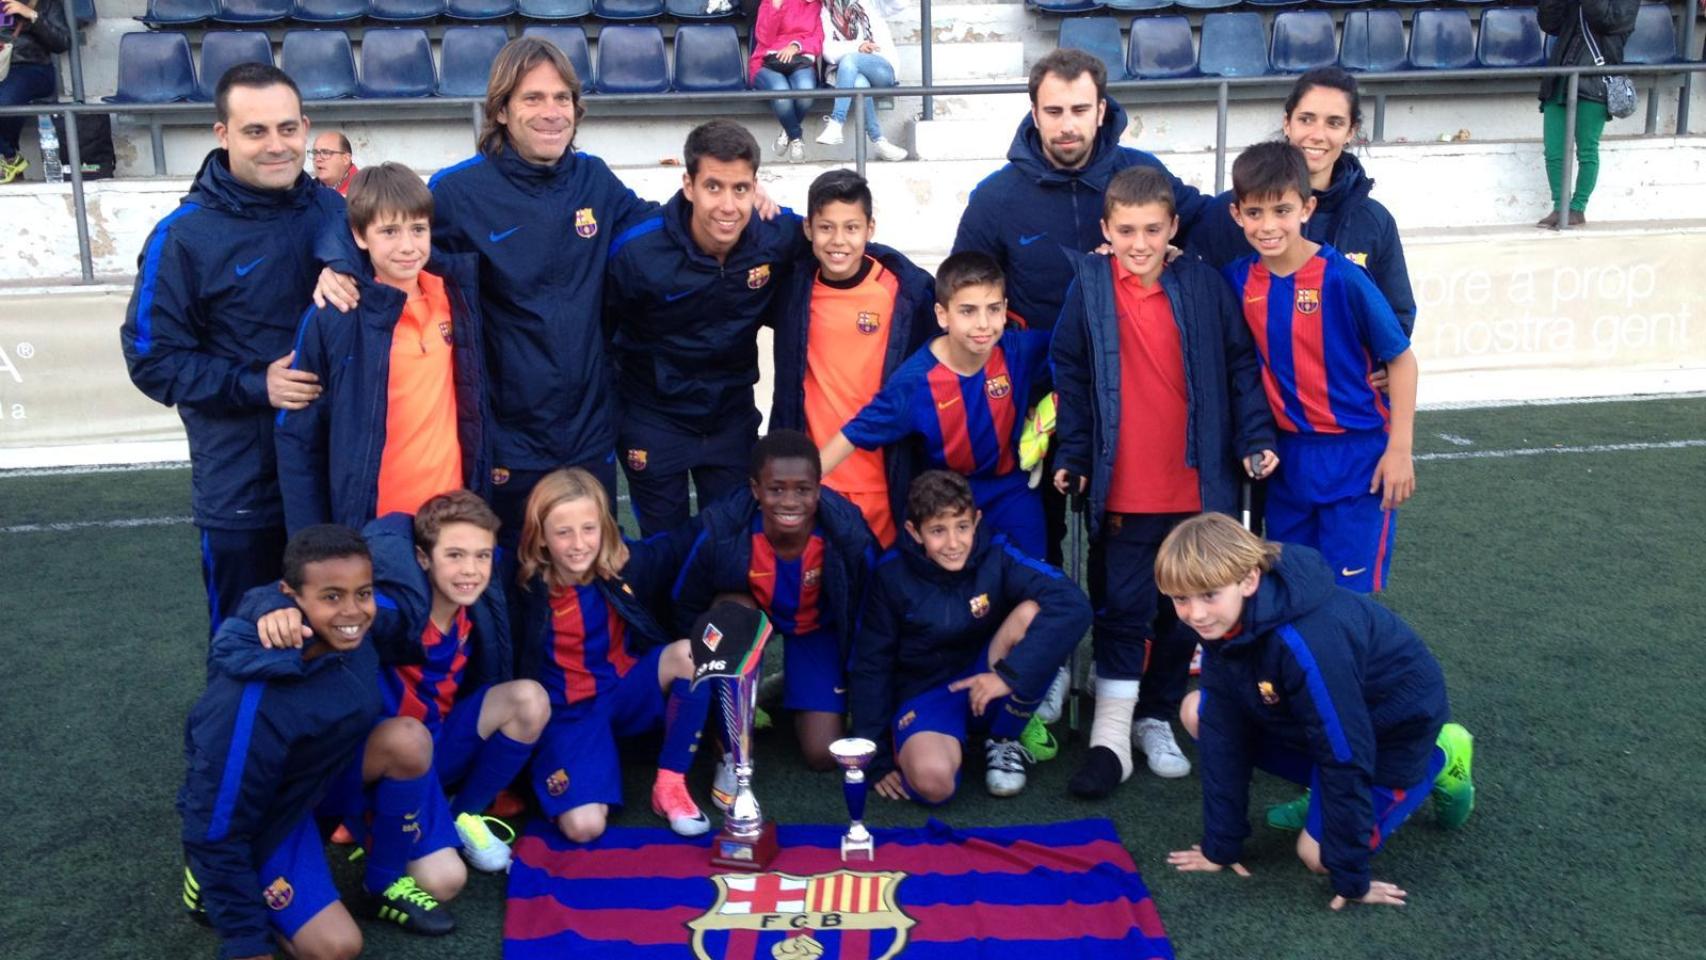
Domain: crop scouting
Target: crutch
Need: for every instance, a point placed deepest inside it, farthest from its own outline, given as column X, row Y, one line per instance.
column 1074, row 681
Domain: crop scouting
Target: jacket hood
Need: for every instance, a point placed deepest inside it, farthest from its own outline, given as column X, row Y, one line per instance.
column 218, row 188
column 532, row 177
column 1299, row 582
column 1026, row 152
column 1349, row 185
column 398, row 581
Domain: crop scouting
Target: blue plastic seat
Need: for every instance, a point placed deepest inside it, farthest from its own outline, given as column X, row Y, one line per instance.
column 173, row 13
column 252, row 11
column 1208, row 4
column 1058, row 7
column 1441, row 40
column 627, row 9
column 695, row 10
column 479, row 9
column 1097, row 35
column 1303, row 40
column 223, row 49
column 405, row 11
column 1272, row 3
column 465, row 59
column 1234, row 45
column 1138, row 6
column 154, row 68
column 572, row 41
column 396, row 62
column 321, row 63
column 631, row 59
column 1372, row 41
column 708, row 57
column 1510, row 37
column 1654, row 39
column 1161, row 49
column 329, row 11
column 1344, row 3
column 554, row 9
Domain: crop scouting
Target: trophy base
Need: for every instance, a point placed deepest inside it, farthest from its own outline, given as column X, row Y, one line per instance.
column 744, row 853
column 864, row 849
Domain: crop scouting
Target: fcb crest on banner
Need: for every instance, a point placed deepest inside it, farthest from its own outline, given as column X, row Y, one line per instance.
column 850, row 915
column 1308, row 300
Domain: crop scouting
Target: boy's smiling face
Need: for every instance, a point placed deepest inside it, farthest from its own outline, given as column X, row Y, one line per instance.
column 1273, row 225
column 947, row 537
column 839, row 232
column 337, row 600
column 974, row 318
column 398, row 247
column 1213, row 613
column 460, row 565
column 1139, row 234
column 787, row 491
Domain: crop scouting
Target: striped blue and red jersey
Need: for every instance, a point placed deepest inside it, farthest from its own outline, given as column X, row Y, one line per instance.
column 790, row 592
column 1320, row 332
column 588, row 652
column 970, row 425
column 426, row 691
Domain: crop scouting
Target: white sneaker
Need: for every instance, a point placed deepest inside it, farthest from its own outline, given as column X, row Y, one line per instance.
column 1055, row 699
column 1155, row 738
column 723, row 784
column 483, row 850
column 832, row 133
column 715, row 7
column 889, row 151
column 1007, row 760
column 782, row 144
column 796, row 151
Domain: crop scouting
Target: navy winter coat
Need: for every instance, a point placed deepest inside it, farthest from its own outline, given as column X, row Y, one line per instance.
column 1345, row 217
column 1028, row 214
column 329, row 453
column 220, row 286
column 721, row 556
column 543, row 235
column 684, row 326
column 1226, row 412
column 924, row 625
column 267, row 736
column 1327, row 673
column 404, row 598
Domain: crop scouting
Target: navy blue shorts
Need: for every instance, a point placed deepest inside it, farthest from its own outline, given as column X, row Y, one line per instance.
column 295, row 881
column 577, row 762
column 812, row 674
column 1319, row 497
column 1011, row 507
column 940, row 710
column 456, row 738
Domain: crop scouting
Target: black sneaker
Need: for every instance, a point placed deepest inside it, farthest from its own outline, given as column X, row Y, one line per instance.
column 410, row 907
column 192, row 899
column 1099, row 775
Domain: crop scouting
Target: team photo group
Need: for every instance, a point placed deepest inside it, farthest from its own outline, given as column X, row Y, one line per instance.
column 407, row 408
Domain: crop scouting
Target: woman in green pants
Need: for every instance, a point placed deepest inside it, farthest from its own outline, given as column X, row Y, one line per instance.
column 1610, row 22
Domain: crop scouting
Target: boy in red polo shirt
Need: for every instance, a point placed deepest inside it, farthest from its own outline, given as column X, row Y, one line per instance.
column 1160, row 399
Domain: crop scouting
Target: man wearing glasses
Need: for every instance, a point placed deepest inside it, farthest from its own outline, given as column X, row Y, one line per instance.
column 334, row 162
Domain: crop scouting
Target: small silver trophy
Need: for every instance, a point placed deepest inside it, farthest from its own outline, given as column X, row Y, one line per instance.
column 854, row 754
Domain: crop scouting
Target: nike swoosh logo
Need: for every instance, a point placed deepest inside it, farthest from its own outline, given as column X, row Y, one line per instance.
column 1033, row 238
column 757, row 573
column 840, row 690
column 497, row 237
column 244, row 269
column 672, row 297
column 1348, row 572
column 1254, row 299
column 945, row 404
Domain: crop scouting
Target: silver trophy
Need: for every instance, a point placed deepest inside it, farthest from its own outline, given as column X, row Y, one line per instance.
column 854, row 754
column 728, row 647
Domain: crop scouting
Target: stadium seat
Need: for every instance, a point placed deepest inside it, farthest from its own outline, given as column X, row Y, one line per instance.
column 405, row 11
column 223, row 49
column 1138, row 6
column 1373, row 41
column 1097, row 35
column 1272, row 3
column 1208, row 4
column 1344, row 3
column 1234, row 45
column 320, row 62
column 329, row 11
column 154, row 68
column 627, row 9
column 465, row 59
column 1303, row 40
column 479, row 9
column 708, row 57
column 396, row 62
column 1160, row 49
column 572, row 41
column 631, row 59
column 1058, row 7
column 252, row 11
column 554, row 9
column 695, row 10
column 1441, row 40
column 1654, row 39
column 175, row 13
column 1510, row 37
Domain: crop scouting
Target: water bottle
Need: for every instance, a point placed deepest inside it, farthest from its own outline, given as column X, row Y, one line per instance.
column 52, row 171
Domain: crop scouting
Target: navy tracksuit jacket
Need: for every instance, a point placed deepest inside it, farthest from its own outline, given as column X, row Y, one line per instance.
column 403, row 596
column 923, row 625
column 1028, row 214
column 1227, row 414
column 221, row 285
column 268, row 735
column 329, row 453
column 1332, row 675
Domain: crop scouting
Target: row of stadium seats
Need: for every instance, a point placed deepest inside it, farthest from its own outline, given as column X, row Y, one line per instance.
column 182, row 13
column 1238, row 45
column 398, row 62
column 1148, row 6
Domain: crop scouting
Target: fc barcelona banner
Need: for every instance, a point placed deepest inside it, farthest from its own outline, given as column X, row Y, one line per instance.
column 1062, row 891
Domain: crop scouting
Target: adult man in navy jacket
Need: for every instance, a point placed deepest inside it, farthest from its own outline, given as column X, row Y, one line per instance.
column 220, row 285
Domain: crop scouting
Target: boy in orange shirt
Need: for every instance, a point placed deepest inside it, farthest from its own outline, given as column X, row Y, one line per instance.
column 404, row 401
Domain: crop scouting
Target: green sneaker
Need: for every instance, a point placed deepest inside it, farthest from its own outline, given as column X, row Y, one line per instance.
column 1038, row 740
column 192, row 899
column 1454, row 788
column 11, row 168
column 1290, row 816
column 410, row 907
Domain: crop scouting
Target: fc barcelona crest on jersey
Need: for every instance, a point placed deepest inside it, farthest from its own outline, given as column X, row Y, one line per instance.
column 586, row 225
column 557, row 783
column 998, row 386
column 1308, row 300
column 980, row 606
column 788, row 917
column 869, row 322
column 1266, row 689
column 636, row 460
column 444, row 330
column 758, row 276
column 279, row 893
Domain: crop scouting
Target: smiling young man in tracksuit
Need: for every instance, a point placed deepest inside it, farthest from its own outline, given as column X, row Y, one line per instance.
column 221, row 283
column 688, row 290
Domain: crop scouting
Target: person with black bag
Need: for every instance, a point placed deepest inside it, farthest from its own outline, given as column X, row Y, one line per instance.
column 31, row 32
column 1588, row 32
column 787, row 40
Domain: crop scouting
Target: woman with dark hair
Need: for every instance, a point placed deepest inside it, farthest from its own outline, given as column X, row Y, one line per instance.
column 35, row 30
column 1580, row 26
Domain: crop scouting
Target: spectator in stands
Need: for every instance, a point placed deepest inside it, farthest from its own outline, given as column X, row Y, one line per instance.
column 858, row 51
column 35, row 29
column 334, row 161
column 787, row 40
column 1610, row 22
